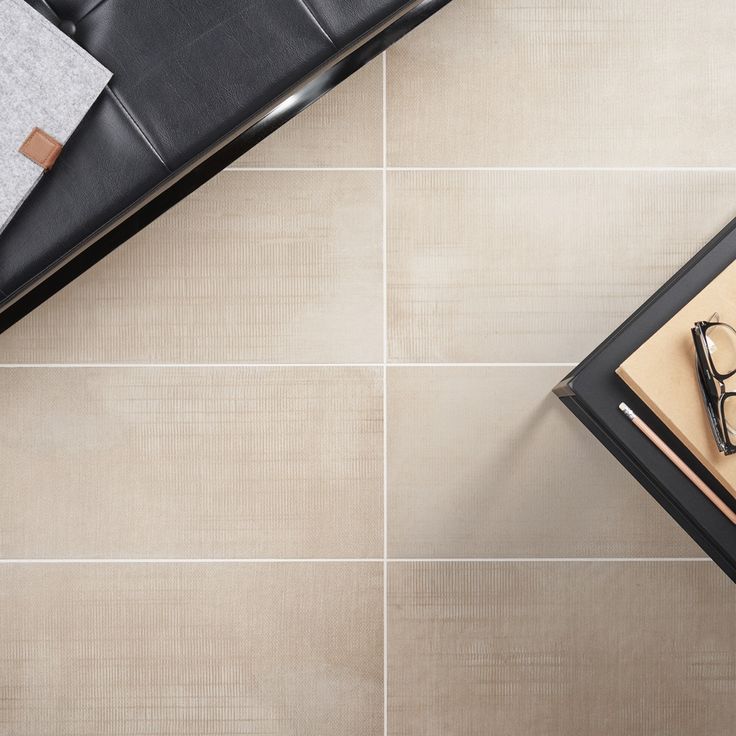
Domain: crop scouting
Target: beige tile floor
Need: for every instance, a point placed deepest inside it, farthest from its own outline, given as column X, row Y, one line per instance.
column 366, row 313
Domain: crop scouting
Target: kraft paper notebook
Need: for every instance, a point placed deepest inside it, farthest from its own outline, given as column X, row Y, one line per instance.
column 47, row 85
column 662, row 373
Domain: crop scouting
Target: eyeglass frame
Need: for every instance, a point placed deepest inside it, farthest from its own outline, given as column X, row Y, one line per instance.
column 712, row 384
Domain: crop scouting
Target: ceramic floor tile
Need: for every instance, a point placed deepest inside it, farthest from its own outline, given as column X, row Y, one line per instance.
column 561, row 649
column 551, row 83
column 254, row 266
column 113, row 649
column 191, row 462
column 536, row 266
column 485, row 462
column 343, row 128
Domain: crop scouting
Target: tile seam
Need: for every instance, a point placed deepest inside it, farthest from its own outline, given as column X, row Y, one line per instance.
column 343, row 560
column 384, row 188
column 286, row 365
column 662, row 169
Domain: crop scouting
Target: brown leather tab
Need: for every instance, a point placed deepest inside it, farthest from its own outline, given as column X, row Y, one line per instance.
column 41, row 148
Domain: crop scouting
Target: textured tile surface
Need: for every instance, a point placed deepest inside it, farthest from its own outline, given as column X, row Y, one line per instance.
column 254, row 266
column 485, row 462
column 561, row 649
column 343, row 128
column 191, row 462
column 536, row 266
column 551, row 83
column 107, row 650
column 286, row 267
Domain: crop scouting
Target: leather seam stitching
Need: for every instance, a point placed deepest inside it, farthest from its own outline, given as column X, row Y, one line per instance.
column 137, row 127
column 92, row 9
column 313, row 14
column 50, row 9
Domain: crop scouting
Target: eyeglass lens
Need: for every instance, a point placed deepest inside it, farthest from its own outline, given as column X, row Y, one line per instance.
column 721, row 340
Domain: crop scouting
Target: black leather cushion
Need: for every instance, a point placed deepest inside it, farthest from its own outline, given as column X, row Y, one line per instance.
column 72, row 10
column 186, row 73
column 188, row 78
column 345, row 20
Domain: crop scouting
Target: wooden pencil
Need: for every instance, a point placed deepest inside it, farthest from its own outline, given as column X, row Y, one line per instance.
column 670, row 454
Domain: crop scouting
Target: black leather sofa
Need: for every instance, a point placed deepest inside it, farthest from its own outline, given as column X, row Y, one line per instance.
column 196, row 84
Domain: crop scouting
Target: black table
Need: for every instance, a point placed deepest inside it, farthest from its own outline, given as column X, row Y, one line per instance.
column 592, row 391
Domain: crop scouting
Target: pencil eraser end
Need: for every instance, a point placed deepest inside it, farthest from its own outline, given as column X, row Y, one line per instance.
column 625, row 409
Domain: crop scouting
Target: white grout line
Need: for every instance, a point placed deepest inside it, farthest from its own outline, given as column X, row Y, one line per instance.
column 181, row 560
column 549, row 559
column 482, row 365
column 190, row 365
column 563, row 168
column 288, row 365
column 385, row 394
column 320, row 560
column 483, row 168
column 304, row 168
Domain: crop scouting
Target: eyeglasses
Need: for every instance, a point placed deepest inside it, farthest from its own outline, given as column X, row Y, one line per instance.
column 715, row 351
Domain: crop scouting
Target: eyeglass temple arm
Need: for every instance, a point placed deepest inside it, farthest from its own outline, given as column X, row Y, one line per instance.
column 712, row 419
